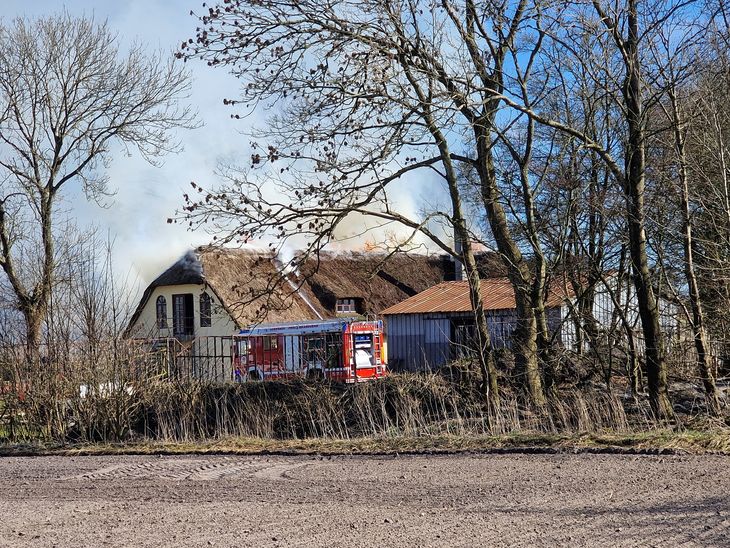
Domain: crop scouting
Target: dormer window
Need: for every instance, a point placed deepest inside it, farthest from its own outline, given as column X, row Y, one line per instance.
column 346, row 306
column 161, row 312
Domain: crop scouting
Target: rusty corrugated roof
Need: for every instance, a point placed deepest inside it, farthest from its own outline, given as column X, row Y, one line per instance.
column 497, row 294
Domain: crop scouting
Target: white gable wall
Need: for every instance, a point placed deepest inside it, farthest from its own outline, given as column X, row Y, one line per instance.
column 146, row 325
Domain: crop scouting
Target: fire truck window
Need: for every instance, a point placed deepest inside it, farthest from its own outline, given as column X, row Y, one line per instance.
column 243, row 346
column 315, row 349
column 364, row 349
column 274, row 343
column 334, row 351
column 267, row 343
column 314, row 343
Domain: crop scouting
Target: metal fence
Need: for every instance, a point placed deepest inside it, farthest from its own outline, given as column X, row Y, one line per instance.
column 204, row 358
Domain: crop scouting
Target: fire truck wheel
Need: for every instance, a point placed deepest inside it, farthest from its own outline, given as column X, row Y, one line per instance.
column 315, row 374
column 254, row 375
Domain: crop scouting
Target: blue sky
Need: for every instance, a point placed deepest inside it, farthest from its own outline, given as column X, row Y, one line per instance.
column 147, row 195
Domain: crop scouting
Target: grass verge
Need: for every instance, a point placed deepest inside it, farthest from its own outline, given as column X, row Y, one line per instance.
column 660, row 441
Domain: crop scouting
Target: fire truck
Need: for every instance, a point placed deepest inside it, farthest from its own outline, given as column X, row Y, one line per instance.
column 344, row 349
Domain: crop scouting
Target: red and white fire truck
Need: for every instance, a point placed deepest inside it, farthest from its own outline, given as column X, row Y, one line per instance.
column 345, row 349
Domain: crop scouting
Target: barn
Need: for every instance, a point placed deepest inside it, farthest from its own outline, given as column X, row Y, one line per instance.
column 435, row 326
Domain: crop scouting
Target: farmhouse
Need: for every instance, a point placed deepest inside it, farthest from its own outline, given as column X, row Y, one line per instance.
column 195, row 306
column 197, row 296
column 193, row 309
column 215, row 292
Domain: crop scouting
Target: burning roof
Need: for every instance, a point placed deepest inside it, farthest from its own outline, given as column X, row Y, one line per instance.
column 378, row 280
column 252, row 287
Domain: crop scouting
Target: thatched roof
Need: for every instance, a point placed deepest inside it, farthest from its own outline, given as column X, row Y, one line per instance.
column 379, row 280
column 244, row 281
column 187, row 270
column 249, row 283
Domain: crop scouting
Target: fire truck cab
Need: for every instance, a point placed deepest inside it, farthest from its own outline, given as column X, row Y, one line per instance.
column 343, row 349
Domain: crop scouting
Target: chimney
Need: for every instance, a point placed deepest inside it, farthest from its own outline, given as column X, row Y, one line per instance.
column 458, row 266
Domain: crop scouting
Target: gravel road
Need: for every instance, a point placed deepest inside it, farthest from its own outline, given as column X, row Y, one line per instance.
column 448, row 500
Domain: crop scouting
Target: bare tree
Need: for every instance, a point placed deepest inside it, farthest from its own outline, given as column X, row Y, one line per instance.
column 707, row 156
column 697, row 117
column 586, row 230
column 537, row 113
column 67, row 97
column 367, row 95
column 677, row 110
column 612, row 43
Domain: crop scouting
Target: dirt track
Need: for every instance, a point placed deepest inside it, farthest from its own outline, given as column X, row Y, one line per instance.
column 464, row 500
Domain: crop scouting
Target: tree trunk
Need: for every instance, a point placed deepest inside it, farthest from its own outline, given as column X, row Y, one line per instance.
column 524, row 342
column 648, row 307
column 635, row 187
column 633, row 365
column 698, row 319
column 33, row 316
column 703, row 352
column 539, row 273
column 545, row 350
column 526, row 348
column 490, row 387
column 487, row 366
column 620, row 310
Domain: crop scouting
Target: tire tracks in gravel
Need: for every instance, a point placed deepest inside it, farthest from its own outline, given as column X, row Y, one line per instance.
column 419, row 501
column 194, row 469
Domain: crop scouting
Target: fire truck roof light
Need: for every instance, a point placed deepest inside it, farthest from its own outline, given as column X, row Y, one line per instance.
column 321, row 326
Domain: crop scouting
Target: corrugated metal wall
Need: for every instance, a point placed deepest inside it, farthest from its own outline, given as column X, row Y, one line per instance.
column 608, row 319
column 419, row 342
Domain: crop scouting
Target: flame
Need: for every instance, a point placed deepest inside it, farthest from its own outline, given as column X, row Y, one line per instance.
column 370, row 245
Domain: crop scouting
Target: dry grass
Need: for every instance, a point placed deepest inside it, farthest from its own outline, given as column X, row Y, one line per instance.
column 129, row 401
column 656, row 442
column 400, row 406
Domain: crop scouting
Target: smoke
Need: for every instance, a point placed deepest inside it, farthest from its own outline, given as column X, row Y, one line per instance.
column 191, row 262
column 415, row 197
column 286, row 255
column 150, row 261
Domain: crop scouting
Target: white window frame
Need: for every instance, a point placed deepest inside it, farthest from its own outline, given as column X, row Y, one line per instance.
column 346, row 306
